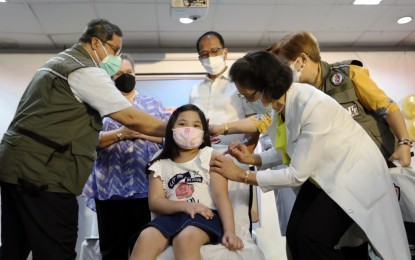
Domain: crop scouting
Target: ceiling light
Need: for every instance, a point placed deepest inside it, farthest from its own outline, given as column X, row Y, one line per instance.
column 186, row 20
column 404, row 20
column 2, row 1
column 366, row 2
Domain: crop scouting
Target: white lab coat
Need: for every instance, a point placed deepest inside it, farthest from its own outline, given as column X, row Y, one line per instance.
column 325, row 143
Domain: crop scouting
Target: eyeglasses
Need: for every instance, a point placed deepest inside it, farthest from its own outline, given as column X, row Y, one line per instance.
column 116, row 49
column 213, row 52
column 251, row 97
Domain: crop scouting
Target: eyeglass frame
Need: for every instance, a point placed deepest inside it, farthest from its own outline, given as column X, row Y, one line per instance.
column 212, row 52
column 251, row 97
column 117, row 50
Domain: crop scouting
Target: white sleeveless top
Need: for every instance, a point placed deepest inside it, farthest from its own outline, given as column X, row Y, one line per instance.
column 189, row 181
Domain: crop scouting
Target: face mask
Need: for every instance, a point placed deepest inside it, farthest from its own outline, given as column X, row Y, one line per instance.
column 188, row 137
column 111, row 64
column 296, row 73
column 214, row 65
column 125, row 83
column 259, row 107
column 279, row 111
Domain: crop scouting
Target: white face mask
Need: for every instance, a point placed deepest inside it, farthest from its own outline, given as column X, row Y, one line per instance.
column 214, row 65
column 296, row 73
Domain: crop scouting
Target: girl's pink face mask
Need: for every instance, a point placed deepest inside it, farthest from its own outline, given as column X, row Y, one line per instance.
column 188, row 137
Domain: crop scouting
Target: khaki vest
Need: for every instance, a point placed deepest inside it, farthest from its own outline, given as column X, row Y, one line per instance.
column 49, row 109
column 338, row 85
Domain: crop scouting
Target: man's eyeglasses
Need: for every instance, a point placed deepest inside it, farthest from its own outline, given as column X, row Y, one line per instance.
column 213, row 52
column 116, row 49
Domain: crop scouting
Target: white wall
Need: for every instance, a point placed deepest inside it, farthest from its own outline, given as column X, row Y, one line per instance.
column 16, row 71
column 393, row 71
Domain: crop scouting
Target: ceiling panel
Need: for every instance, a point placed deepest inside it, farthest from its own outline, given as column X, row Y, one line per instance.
column 140, row 39
column 243, row 18
column 287, row 18
column 409, row 40
column 242, row 39
column 17, row 18
column 64, row 18
column 247, row 24
column 23, row 40
column 388, row 21
column 54, row 1
column 179, row 39
column 131, row 1
column 352, row 18
column 335, row 38
column 409, row 2
column 135, row 17
column 63, row 40
column 245, row 2
column 315, row 2
column 380, row 38
column 270, row 38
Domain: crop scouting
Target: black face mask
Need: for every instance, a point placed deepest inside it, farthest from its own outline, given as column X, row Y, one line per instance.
column 125, row 83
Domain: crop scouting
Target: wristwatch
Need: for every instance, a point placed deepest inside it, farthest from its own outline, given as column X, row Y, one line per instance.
column 226, row 131
column 119, row 136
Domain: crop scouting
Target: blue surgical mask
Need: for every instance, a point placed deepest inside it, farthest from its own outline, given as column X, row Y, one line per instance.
column 259, row 107
column 111, row 64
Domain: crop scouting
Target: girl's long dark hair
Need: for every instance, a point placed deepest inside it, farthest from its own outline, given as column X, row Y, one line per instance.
column 170, row 149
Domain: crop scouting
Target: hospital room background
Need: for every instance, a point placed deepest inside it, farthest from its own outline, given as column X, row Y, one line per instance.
column 169, row 77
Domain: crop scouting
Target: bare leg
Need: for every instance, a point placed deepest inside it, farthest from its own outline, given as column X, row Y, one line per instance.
column 149, row 244
column 187, row 244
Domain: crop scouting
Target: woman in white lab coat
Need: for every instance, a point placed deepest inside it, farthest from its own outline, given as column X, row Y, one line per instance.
column 346, row 194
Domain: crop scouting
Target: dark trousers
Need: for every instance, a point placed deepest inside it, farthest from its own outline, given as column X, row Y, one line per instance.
column 316, row 225
column 44, row 222
column 118, row 221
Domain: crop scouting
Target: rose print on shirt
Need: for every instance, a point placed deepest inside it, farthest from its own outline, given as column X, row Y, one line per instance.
column 184, row 191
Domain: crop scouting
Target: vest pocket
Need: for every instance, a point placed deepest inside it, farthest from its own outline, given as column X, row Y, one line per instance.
column 80, row 168
column 11, row 139
column 80, row 149
column 43, row 167
column 8, row 158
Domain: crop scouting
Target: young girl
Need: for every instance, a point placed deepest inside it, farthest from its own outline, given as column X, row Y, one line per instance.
column 192, row 204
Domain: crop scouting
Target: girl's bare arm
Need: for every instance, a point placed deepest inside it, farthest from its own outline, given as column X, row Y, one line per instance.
column 219, row 188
